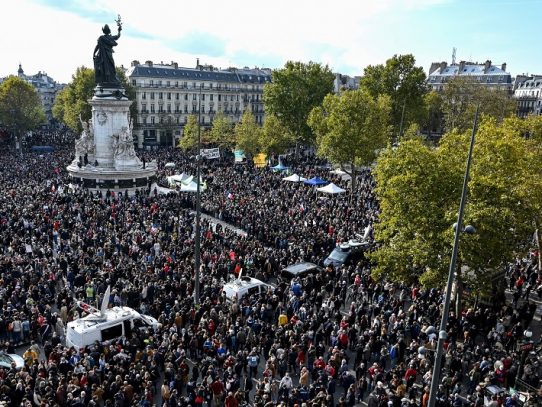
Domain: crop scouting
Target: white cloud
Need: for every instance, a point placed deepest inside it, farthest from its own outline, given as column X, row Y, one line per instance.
column 51, row 40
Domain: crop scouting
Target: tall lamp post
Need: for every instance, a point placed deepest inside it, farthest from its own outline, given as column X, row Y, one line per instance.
column 442, row 335
column 197, row 249
column 524, row 347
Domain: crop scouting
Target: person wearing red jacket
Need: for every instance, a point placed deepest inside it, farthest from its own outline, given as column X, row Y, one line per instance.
column 230, row 400
column 410, row 376
column 319, row 363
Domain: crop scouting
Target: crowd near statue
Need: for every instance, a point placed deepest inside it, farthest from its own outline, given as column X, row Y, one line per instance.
column 336, row 337
column 104, row 65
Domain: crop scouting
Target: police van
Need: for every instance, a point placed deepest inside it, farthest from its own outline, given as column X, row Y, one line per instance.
column 244, row 285
column 106, row 324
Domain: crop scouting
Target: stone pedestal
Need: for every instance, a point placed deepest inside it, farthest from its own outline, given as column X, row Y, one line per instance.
column 109, row 118
column 108, row 143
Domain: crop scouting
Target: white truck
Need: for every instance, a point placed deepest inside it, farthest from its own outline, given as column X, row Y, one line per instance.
column 106, row 324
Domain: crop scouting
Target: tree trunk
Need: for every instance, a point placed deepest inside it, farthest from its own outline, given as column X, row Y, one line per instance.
column 353, row 180
column 352, row 174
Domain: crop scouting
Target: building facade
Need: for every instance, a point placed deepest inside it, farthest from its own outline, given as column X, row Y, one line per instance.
column 485, row 74
column 46, row 87
column 345, row 82
column 166, row 95
column 528, row 94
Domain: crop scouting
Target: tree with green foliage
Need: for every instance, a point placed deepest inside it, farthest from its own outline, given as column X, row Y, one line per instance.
column 221, row 133
column 419, row 188
column 274, row 137
column 462, row 95
column 530, row 128
column 433, row 104
column 20, row 106
column 247, row 134
column 71, row 103
column 294, row 91
column 404, row 83
column 189, row 139
column 350, row 128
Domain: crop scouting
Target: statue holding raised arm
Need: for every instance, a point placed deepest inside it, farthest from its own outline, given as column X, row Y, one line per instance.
column 104, row 65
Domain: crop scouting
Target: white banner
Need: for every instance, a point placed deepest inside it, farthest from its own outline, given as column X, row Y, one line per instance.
column 210, row 153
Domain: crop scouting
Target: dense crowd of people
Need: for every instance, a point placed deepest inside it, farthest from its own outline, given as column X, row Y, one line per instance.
column 305, row 343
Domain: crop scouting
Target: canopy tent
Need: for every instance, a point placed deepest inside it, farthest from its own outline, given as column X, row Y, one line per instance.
column 172, row 179
column 331, row 189
column 279, row 167
column 343, row 174
column 190, row 187
column 169, row 165
column 186, row 183
column 315, row 181
column 161, row 190
column 294, row 178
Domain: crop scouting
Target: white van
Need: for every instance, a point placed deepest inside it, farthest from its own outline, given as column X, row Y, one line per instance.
column 106, row 324
column 244, row 285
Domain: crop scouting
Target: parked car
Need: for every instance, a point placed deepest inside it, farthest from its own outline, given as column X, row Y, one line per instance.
column 6, row 359
column 346, row 253
column 245, row 285
column 300, row 270
column 106, row 326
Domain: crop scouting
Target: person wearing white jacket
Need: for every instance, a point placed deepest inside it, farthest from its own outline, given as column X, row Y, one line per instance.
column 285, row 386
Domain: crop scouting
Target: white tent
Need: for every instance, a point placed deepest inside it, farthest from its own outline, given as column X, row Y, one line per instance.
column 331, row 189
column 190, row 187
column 161, row 190
column 172, row 179
column 294, row 178
column 169, row 165
column 343, row 174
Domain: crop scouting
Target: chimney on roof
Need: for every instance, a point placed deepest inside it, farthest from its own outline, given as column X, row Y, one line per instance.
column 174, row 64
column 135, row 62
column 197, row 63
column 487, row 65
column 461, row 67
column 443, row 66
column 434, row 67
column 148, row 63
column 503, row 67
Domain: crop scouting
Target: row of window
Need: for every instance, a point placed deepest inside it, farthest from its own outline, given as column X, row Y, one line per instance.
column 186, row 96
column 184, row 119
column 194, row 85
column 528, row 103
column 177, row 109
column 524, row 93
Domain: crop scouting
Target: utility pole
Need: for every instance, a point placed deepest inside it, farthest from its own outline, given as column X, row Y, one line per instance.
column 443, row 335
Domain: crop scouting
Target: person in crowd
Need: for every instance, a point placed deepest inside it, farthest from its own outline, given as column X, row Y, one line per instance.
column 304, row 343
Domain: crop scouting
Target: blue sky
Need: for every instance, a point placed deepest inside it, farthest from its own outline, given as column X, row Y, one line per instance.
column 57, row 36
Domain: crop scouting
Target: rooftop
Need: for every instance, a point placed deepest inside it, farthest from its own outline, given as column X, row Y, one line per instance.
column 201, row 73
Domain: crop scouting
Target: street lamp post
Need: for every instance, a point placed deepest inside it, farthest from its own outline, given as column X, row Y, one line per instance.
column 525, row 348
column 197, row 250
column 442, row 335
